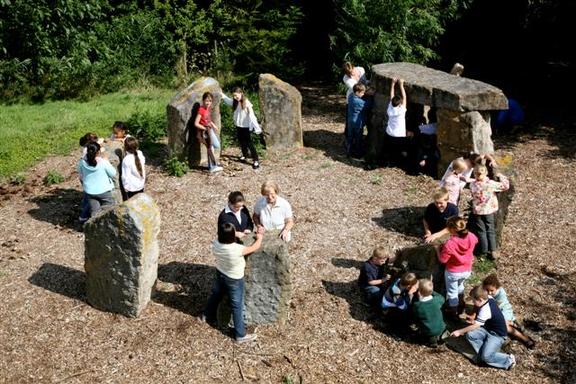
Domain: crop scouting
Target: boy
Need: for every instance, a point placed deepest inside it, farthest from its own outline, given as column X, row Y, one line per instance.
column 398, row 297
column 357, row 115
column 372, row 275
column 230, row 264
column 428, row 313
column 436, row 215
column 396, row 126
column 488, row 332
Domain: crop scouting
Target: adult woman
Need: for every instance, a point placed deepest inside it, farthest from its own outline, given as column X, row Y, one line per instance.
column 237, row 214
column 273, row 212
column 96, row 174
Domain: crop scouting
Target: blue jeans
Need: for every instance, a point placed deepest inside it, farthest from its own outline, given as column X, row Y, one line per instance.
column 487, row 345
column 235, row 289
column 85, row 205
column 455, row 286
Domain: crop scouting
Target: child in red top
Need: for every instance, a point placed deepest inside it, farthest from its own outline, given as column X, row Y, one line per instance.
column 457, row 254
column 204, row 124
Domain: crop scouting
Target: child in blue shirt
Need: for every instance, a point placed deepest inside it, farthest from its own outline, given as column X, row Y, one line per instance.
column 373, row 276
column 357, row 118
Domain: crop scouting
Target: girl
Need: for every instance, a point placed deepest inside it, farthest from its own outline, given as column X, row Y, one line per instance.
column 84, row 141
column 484, row 208
column 452, row 182
column 471, row 159
column 457, row 254
column 119, row 131
column 203, row 123
column 133, row 171
column 96, row 174
column 245, row 122
column 492, row 285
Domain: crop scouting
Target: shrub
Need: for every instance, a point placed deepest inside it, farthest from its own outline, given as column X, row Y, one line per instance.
column 175, row 167
column 147, row 126
column 53, row 177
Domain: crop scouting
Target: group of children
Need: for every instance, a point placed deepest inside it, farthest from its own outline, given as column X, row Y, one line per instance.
column 97, row 174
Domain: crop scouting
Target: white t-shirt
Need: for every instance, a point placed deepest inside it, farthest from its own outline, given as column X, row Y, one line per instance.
column 229, row 259
column 131, row 179
column 351, row 82
column 243, row 118
column 273, row 217
column 396, row 121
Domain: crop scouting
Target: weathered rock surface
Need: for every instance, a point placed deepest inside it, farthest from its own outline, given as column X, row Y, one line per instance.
column 505, row 162
column 114, row 151
column 439, row 89
column 182, row 140
column 423, row 261
column 281, row 107
column 121, row 256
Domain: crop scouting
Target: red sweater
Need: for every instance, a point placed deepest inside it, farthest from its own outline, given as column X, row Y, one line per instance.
column 457, row 253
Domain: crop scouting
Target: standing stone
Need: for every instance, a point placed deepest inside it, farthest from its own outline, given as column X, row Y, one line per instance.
column 182, row 140
column 421, row 260
column 505, row 162
column 281, row 107
column 121, row 256
column 114, row 152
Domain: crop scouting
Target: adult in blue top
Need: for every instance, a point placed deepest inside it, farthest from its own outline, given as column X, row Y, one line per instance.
column 96, row 174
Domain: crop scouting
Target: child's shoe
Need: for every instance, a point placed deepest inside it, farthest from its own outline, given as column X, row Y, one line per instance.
column 215, row 168
column 246, row 338
column 512, row 363
column 255, row 165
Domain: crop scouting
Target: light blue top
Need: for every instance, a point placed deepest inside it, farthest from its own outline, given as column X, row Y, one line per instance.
column 504, row 305
column 96, row 180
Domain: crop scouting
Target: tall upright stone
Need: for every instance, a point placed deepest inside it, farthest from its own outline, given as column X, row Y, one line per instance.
column 114, row 152
column 182, row 140
column 121, row 256
column 281, row 107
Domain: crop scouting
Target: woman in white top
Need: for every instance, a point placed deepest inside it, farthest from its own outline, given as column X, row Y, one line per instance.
column 133, row 171
column 273, row 212
column 245, row 122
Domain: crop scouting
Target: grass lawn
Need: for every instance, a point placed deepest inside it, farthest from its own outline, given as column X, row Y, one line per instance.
column 29, row 133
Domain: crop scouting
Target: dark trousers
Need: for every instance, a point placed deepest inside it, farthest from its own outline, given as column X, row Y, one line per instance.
column 130, row 194
column 246, row 143
column 484, row 227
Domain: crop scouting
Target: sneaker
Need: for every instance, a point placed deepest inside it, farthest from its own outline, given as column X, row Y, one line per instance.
column 255, row 165
column 494, row 255
column 246, row 338
column 83, row 219
column 242, row 158
column 216, row 168
column 512, row 362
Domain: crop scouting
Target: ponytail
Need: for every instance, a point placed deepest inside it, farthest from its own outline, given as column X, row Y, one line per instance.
column 131, row 146
column 92, row 150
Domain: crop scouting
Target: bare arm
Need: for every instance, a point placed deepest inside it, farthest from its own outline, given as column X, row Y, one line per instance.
column 394, row 80
column 462, row 331
column 257, row 244
column 289, row 223
column 403, row 93
column 197, row 123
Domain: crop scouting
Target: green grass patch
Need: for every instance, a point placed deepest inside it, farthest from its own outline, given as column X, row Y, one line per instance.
column 31, row 132
column 480, row 269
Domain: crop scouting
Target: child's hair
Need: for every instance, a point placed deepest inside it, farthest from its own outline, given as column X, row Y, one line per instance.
column 92, row 150
column 478, row 293
column 425, row 287
column 458, row 225
column 242, row 98
column 227, row 233
column 472, row 156
column 235, row 197
column 408, row 280
column 88, row 138
column 207, row 95
column 347, row 67
column 440, row 194
column 118, row 126
column 131, row 146
column 396, row 101
column 491, row 280
column 379, row 253
column 269, row 185
column 359, row 87
column 459, row 165
column 480, row 170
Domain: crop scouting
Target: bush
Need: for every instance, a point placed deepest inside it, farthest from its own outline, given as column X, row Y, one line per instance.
column 147, row 126
column 53, row 177
column 175, row 167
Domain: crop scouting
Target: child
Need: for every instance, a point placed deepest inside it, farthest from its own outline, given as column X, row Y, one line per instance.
column 357, row 115
column 85, row 205
column 245, row 122
column 492, row 285
column 96, row 174
column 396, row 126
column 484, row 208
column 471, row 159
column 452, row 181
column 457, row 254
column 230, row 264
column 399, row 295
column 488, row 332
column 203, row 123
column 372, row 275
column 237, row 214
column 428, row 313
column 133, row 171
column 119, row 131
column 436, row 215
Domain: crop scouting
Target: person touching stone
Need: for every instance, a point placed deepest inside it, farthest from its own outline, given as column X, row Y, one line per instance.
column 273, row 212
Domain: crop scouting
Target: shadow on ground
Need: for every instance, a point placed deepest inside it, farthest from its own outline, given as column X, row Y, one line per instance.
column 318, row 99
column 404, row 220
column 61, row 279
column 332, row 144
column 60, row 206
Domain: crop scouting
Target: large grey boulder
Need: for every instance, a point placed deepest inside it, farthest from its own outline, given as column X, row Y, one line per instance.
column 281, row 107
column 121, row 256
column 182, row 140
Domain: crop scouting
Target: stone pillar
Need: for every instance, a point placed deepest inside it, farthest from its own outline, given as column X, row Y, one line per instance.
column 281, row 107
column 422, row 261
column 505, row 162
column 460, row 132
column 114, row 151
column 121, row 256
column 182, row 140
